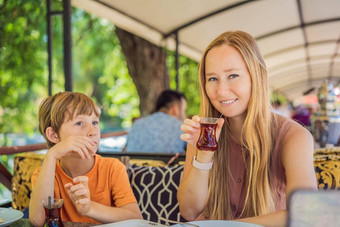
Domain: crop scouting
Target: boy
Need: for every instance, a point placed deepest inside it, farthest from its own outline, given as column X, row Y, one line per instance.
column 94, row 189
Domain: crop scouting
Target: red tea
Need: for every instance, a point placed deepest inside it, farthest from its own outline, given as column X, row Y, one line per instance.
column 207, row 140
column 53, row 217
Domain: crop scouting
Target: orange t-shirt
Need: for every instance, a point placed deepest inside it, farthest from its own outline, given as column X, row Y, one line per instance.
column 108, row 183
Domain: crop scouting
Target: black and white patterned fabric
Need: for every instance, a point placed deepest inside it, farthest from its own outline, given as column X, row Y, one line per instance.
column 155, row 189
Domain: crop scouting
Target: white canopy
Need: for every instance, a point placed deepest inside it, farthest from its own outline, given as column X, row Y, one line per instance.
column 299, row 39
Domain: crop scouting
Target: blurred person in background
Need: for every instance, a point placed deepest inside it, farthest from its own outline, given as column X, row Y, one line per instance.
column 282, row 109
column 302, row 114
column 160, row 131
column 320, row 134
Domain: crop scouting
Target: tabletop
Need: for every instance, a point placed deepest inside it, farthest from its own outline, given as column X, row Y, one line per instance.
column 24, row 222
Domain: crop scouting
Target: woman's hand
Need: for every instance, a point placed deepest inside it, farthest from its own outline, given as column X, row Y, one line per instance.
column 192, row 129
column 74, row 145
column 80, row 194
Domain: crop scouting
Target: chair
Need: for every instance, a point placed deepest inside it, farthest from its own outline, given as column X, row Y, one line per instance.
column 24, row 166
column 327, row 168
column 155, row 189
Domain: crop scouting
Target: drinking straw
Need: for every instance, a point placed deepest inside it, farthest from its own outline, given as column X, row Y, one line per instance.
column 49, row 206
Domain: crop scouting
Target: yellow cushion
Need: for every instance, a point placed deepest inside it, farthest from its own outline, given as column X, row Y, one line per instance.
column 146, row 162
column 327, row 154
column 328, row 174
column 24, row 166
column 327, row 168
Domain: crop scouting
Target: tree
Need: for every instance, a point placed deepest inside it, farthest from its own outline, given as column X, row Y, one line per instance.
column 147, row 67
column 188, row 80
column 100, row 70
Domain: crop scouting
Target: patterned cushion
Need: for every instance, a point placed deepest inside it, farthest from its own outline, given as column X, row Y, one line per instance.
column 24, row 166
column 326, row 154
column 328, row 174
column 327, row 168
column 146, row 162
column 155, row 189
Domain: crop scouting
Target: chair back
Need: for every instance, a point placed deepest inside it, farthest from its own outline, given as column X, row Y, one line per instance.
column 155, row 189
column 327, row 168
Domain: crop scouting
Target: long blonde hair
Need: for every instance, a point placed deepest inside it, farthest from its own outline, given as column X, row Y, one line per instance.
column 254, row 135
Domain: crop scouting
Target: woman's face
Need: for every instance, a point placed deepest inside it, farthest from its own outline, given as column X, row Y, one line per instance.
column 228, row 83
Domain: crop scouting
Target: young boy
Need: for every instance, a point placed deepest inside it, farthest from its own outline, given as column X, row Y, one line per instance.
column 94, row 189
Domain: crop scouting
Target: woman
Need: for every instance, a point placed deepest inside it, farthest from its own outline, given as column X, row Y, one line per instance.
column 262, row 157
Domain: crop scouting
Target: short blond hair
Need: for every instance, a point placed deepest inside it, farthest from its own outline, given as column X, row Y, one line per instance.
column 61, row 107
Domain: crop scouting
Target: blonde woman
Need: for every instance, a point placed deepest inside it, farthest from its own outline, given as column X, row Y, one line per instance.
column 262, row 157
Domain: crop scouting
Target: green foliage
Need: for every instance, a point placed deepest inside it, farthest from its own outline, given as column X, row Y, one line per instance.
column 188, row 81
column 22, row 65
column 100, row 70
column 274, row 96
column 7, row 161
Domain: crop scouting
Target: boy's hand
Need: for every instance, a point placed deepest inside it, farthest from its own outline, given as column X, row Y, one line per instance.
column 80, row 145
column 80, row 194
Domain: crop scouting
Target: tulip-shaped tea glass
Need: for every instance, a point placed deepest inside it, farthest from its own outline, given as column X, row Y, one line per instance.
column 52, row 212
column 207, row 140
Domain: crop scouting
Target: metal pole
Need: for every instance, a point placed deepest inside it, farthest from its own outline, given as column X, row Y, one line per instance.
column 49, row 46
column 177, row 61
column 67, row 11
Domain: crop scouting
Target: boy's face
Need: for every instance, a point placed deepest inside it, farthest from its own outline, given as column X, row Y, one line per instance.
column 81, row 125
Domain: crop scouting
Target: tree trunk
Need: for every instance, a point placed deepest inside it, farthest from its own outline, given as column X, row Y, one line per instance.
column 146, row 63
